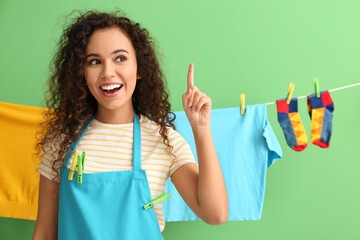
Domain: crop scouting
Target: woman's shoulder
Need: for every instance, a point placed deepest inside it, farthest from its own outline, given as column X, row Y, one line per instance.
column 149, row 125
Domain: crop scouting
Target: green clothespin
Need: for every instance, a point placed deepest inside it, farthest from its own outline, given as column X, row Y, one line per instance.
column 162, row 197
column 317, row 88
column 80, row 166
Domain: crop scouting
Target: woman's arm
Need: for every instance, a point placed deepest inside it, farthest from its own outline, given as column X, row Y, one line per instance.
column 203, row 187
column 47, row 218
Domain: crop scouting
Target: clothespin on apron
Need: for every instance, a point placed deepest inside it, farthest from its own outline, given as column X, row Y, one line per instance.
column 73, row 165
column 80, row 166
column 242, row 103
column 162, row 197
column 290, row 92
column 317, row 88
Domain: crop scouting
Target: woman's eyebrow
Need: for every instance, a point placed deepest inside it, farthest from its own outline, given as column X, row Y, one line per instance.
column 114, row 52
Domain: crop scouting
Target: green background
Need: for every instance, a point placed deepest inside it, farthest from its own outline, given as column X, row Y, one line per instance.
column 252, row 47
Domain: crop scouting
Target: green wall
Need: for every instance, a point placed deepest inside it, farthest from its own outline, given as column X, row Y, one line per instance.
column 253, row 47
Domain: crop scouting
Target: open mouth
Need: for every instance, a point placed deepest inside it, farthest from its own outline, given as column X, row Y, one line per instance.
column 110, row 89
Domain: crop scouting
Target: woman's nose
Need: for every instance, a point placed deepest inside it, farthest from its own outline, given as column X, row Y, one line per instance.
column 108, row 70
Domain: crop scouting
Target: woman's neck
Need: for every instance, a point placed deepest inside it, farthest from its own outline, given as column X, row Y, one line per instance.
column 115, row 117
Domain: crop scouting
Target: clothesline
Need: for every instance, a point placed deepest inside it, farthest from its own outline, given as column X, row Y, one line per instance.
column 332, row 90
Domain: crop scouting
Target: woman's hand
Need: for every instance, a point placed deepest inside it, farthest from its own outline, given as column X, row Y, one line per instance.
column 197, row 105
column 202, row 187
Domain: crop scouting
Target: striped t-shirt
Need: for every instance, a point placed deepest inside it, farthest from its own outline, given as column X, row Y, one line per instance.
column 109, row 147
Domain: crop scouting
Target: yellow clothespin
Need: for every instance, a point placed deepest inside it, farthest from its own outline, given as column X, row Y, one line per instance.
column 290, row 92
column 242, row 103
column 73, row 165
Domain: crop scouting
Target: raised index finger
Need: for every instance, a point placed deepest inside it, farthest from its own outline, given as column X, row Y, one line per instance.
column 190, row 78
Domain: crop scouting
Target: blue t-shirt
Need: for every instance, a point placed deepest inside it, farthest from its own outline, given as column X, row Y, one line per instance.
column 246, row 145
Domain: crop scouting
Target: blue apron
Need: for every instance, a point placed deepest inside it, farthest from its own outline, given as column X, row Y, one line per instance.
column 107, row 205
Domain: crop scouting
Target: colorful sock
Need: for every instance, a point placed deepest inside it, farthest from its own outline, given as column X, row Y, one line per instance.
column 320, row 111
column 291, row 124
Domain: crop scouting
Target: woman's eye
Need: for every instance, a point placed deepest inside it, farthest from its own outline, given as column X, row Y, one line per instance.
column 120, row 59
column 94, row 61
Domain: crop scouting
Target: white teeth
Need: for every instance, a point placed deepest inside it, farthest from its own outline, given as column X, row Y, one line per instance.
column 110, row 87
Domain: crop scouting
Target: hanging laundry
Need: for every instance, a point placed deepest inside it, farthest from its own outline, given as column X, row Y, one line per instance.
column 246, row 145
column 321, row 114
column 290, row 122
column 19, row 181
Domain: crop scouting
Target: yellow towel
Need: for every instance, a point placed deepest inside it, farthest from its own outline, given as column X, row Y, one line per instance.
column 19, row 181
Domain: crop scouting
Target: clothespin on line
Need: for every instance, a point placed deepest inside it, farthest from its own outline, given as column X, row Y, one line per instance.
column 242, row 103
column 290, row 93
column 317, row 88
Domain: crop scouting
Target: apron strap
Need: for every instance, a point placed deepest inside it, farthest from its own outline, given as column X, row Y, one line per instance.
column 74, row 144
column 136, row 144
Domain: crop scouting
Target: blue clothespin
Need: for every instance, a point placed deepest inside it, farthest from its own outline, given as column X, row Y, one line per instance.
column 80, row 166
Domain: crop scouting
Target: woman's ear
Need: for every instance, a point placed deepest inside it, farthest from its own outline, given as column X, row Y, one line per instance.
column 138, row 77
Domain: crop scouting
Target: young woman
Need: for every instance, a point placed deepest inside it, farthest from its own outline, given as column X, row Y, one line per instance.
column 109, row 143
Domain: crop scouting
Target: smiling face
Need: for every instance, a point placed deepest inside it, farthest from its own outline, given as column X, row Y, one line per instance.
column 111, row 74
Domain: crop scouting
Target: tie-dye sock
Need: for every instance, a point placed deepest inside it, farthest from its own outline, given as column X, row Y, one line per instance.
column 291, row 124
column 321, row 114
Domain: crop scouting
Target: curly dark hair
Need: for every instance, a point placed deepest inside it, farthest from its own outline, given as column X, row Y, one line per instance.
column 69, row 100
